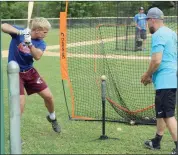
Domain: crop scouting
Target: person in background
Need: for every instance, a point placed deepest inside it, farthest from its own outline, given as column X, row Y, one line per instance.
column 141, row 26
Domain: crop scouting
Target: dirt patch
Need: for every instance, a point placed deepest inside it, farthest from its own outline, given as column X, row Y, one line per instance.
column 109, row 56
column 48, row 53
column 48, row 48
column 112, row 56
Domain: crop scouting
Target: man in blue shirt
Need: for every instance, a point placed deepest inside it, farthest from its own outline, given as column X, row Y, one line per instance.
column 25, row 46
column 163, row 71
column 141, row 26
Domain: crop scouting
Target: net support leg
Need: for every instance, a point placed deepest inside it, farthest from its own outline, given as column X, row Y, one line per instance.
column 103, row 96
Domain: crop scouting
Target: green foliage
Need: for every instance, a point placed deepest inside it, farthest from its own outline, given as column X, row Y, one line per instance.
column 81, row 9
column 168, row 7
column 51, row 9
column 5, row 12
column 13, row 10
column 164, row 4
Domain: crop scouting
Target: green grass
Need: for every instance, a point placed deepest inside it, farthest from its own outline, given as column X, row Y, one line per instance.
column 81, row 137
column 77, row 137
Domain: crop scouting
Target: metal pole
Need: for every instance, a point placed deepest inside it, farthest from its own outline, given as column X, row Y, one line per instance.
column 103, row 97
column 127, row 29
column 65, row 99
column 176, row 5
column 117, row 22
column 2, row 104
column 14, row 107
column 38, row 9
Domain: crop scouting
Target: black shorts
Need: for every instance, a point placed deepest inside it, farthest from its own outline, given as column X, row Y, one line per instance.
column 140, row 34
column 165, row 101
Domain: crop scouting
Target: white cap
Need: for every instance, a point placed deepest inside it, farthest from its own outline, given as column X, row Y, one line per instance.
column 141, row 8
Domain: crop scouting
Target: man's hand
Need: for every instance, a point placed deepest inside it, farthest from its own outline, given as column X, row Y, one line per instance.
column 139, row 27
column 146, row 79
column 27, row 39
column 24, row 32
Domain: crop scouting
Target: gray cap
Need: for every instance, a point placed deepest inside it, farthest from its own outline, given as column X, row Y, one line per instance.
column 155, row 13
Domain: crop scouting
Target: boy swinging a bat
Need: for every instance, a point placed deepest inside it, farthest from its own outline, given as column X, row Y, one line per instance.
column 25, row 46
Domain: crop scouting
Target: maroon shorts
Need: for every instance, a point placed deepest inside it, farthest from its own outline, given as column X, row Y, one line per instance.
column 31, row 81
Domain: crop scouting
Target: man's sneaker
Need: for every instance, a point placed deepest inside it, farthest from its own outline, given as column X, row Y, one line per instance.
column 174, row 151
column 150, row 144
column 54, row 123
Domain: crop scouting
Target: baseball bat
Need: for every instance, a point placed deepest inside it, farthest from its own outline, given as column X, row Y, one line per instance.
column 30, row 10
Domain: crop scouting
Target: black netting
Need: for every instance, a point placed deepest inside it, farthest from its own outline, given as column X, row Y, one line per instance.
column 107, row 45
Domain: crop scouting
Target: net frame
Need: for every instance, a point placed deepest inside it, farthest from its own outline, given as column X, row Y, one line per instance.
column 95, row 68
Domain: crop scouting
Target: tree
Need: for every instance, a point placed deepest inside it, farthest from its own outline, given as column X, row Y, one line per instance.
column 51, row 9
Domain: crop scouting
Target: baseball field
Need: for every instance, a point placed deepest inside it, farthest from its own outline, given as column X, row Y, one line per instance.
column 77, row 137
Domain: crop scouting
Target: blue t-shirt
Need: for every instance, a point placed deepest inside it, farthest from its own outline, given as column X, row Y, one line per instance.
column 165, row 40
column 20, row 53
column 140, row 19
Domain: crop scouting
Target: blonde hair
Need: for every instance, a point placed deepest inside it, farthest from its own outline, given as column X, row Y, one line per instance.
column 40, row 22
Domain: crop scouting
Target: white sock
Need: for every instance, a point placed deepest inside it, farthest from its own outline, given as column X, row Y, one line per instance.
column 52, row 116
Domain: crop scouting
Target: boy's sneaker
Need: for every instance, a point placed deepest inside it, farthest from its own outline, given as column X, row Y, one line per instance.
column 54, row 123
column 151, row 145
column 174, row 151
